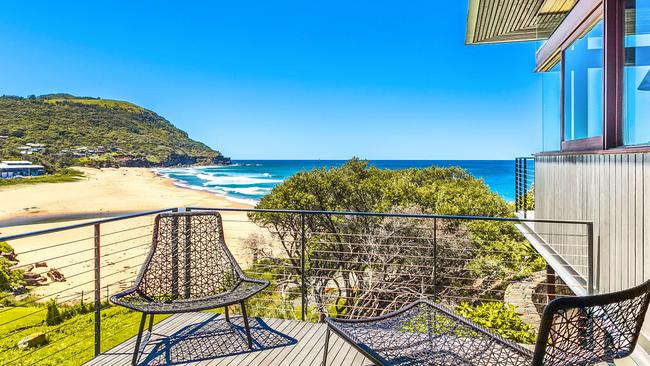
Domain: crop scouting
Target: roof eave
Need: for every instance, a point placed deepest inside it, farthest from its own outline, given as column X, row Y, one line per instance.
column 471, row 21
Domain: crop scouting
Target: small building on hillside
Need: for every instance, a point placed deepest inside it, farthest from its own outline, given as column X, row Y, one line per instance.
column 31, row 148
column 20, row 168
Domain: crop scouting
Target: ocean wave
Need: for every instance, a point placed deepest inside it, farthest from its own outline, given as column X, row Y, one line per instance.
column 249, row 191
column 177, row 171
column 182, row 174
column 218, row 192
column 190, row 186
column 212, row 180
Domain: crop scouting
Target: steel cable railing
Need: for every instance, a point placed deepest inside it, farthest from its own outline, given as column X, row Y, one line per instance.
column 320, row 263
column 83, row 263
column 524, row 185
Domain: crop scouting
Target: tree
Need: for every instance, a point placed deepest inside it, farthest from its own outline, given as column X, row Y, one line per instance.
column 9, row 278
column 367, row 265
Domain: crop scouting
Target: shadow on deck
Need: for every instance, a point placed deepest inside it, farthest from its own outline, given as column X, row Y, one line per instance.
column 207, row 339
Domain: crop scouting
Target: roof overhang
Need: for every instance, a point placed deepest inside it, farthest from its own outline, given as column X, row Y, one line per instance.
column 501, row 21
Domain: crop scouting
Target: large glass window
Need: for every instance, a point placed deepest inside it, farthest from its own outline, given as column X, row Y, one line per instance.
column 636, row 97
column 583, row 86
column 551, row 109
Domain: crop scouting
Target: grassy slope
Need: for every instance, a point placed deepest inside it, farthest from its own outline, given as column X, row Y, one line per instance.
column 65, row 175
column 69, row 343
column 105, row 103
column 66, row 122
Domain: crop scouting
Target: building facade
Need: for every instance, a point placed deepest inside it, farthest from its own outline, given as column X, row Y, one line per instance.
column 594, row 60
column 15, row 169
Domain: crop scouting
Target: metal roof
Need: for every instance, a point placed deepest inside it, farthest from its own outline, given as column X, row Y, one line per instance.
column 19, row 164
column 499, row 21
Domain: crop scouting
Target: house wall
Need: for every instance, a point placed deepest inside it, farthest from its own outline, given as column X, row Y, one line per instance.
column 24, row 172
column 613, row 191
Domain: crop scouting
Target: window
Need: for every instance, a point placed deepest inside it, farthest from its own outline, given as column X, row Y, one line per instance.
column 551, row 108
column 583, row 86
column 636, row 75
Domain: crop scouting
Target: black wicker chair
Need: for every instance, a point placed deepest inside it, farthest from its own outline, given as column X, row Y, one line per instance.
column 574, row 331
column 189, row 268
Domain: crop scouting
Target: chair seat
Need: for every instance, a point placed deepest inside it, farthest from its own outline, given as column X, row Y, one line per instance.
column 137, row 301
column 424, row 333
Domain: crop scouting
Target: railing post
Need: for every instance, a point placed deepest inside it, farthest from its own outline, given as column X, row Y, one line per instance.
column 98, row 301
column 590, row 258
column 303, row 290
column 435, row 259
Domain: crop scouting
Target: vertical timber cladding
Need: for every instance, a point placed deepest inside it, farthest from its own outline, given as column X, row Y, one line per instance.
column 613, row 191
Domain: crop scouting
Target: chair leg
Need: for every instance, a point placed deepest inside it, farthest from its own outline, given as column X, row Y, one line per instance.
column 248, row 329
column 327, row 345
column 138, row 340
column 227, row 314
column 150, row 323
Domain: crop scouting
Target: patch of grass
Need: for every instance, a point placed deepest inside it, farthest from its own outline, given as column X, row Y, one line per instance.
column 62, row 176
column 68, row 343
column 15, row 318
column 105, row 103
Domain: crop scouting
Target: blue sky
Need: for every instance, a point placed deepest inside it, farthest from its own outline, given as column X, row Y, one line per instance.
column 287, row 79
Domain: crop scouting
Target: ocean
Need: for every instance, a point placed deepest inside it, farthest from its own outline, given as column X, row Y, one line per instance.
column 248, row 181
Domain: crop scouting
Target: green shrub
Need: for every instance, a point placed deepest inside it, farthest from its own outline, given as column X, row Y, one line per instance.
column 53, row 316
column 8, row 278
column 530, row 198
column 5, row 247
column 499, row 317
column 7, row 299
column 59, row 313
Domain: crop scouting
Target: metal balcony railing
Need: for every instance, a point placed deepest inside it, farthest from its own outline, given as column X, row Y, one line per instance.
column 524, row 185
column 344, row 264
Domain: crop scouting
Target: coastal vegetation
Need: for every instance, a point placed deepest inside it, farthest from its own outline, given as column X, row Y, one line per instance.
column 94, row 132
column 500, row 318
column 478, row 259
column 9, row 278
column 69, row 339
column 61, row 175
column 67, row 329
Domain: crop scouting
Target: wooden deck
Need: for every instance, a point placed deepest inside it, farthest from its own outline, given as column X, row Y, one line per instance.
column 207, row 339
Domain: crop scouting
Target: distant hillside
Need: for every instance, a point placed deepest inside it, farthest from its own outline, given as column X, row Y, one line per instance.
column 93, row 131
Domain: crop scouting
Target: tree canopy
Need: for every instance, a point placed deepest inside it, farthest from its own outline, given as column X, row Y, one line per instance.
column 365, row 265
column 358, row 187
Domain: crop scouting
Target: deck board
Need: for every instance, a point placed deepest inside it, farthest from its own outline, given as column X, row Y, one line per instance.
column 207, row 339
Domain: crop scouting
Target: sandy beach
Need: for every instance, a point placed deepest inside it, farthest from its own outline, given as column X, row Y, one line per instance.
column 101, row 193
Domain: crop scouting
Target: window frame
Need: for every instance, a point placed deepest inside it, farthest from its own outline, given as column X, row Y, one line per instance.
column 577, row 23
column 619, row 16
column 588, row 143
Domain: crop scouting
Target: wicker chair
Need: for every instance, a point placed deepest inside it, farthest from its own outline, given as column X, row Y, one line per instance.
column 573, row 331
column 189, row 268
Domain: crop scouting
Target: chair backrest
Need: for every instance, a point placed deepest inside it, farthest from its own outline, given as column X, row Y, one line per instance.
column 591, row 329
column 188, row 258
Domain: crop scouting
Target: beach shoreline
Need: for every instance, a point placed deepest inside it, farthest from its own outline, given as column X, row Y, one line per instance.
column 100, row 194
column 248, row 203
